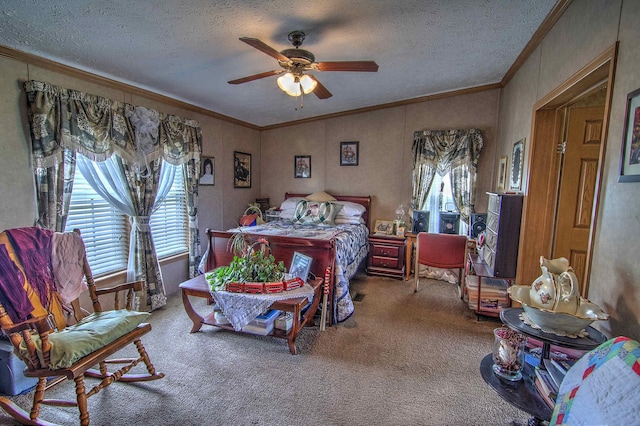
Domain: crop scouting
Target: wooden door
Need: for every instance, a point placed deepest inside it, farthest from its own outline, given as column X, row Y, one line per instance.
column 577, row 187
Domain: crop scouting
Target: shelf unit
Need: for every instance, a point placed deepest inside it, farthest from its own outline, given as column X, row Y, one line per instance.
column 502, row 234
column 495, row 296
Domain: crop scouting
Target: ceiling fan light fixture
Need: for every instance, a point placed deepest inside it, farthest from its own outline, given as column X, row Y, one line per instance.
column 289, row 85
column 308, row 84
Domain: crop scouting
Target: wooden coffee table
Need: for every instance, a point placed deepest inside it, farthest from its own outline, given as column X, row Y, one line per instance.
column 199, row 287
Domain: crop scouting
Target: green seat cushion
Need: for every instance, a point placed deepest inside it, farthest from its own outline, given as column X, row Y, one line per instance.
column 90, row 334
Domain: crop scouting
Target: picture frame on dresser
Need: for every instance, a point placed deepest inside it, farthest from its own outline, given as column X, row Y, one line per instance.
column 630, row 157
column 383, row 227
column 517, row 162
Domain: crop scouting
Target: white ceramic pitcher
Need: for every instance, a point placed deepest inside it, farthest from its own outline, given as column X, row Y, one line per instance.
column 557, row 288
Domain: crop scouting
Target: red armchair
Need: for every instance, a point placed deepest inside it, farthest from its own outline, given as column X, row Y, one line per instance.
column 444, row 251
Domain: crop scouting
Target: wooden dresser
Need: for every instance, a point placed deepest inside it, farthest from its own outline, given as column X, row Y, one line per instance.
column 500, row 250
column 386, row 256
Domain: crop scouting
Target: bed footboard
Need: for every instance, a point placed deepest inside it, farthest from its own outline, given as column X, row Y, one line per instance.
column 323, row 253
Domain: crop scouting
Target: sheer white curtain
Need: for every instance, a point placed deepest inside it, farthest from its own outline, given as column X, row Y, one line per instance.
column 107, row 178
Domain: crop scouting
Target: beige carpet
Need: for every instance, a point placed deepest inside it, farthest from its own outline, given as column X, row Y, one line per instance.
column 403, row 358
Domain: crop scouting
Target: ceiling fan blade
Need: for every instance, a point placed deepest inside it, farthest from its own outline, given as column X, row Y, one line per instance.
column 263, row 47
column 362, row 66
column 256, row 77
column 320, row 91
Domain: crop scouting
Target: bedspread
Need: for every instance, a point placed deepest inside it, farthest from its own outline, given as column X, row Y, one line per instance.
column 352, row 247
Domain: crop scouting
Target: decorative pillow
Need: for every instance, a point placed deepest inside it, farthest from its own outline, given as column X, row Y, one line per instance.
column 290, row 203
column 309, row 212
column 320, row 197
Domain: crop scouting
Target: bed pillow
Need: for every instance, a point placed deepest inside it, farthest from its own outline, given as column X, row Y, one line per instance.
column 314, row 213
column 290, row 203
column 346, row 220
column 287, row 214
column 351, row 209
column 320, row 197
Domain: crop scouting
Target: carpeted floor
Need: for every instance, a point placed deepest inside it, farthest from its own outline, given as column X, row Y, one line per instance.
column 403, row 358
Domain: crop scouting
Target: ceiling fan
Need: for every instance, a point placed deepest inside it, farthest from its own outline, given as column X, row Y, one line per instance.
column 295, row 62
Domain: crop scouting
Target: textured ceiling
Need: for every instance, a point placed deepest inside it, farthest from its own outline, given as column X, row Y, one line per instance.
column 189, row 49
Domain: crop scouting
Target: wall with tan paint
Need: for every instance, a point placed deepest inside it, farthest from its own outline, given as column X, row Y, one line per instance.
column 385, row 150
column 586, row 29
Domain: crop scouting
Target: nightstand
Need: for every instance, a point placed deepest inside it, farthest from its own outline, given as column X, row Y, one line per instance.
column 386, row 255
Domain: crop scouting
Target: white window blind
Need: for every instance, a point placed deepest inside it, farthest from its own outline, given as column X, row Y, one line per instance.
column 169, row 221
column 105, row 230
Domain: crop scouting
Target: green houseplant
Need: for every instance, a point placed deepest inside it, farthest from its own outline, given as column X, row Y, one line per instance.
column 252, row 262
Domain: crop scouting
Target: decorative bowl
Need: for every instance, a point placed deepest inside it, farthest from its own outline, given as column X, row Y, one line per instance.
column 557, row 322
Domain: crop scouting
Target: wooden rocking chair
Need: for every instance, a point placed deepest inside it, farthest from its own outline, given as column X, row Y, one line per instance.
column 55, row 351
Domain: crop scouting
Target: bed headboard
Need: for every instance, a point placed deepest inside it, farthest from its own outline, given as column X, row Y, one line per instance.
column 362, row 200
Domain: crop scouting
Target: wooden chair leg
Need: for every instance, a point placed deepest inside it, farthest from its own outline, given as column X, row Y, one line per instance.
column 81, row 397
column 38, row 396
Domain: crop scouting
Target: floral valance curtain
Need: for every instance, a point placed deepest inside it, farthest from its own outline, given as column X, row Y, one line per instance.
column 447, row 151
column 64, row 122
column 64, row 119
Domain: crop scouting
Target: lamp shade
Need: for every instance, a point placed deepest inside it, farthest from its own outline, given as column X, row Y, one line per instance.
column 295, row 86
column 308, row 84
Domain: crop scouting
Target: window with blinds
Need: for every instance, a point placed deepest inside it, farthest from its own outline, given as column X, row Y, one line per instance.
column 105, row 230
column 169, row 221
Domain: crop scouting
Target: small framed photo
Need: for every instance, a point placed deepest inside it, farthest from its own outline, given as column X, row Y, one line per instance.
column 241, row 170
column 502, row 173
column 630, row 161
column 517, row 162
column 383, row 227
column 207, row 173
column 300, row 265
column 302, row 166
column 349, row 153
column 400, row 231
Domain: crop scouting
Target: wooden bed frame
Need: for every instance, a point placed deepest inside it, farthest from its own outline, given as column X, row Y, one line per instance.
column 323, row 252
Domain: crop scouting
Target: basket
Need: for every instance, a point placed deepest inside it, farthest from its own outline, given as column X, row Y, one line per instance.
column 252, row 216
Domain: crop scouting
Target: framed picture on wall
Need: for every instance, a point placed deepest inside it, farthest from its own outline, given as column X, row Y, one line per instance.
column 302, row 166
column 207, row 174
column 241, row 170
column 630, row 161
column 349, row 153
column 502, row 173
column 517, row 162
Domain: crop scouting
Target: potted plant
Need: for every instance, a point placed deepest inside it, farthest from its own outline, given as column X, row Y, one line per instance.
column 252, row 263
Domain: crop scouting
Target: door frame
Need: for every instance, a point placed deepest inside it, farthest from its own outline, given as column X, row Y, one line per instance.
column 542, row 185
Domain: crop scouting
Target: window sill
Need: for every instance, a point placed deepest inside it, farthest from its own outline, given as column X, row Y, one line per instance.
column 120, row 276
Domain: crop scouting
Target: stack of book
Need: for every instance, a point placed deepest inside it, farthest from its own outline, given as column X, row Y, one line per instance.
column 546, row 386
column 263, row 324
column 548, row 380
